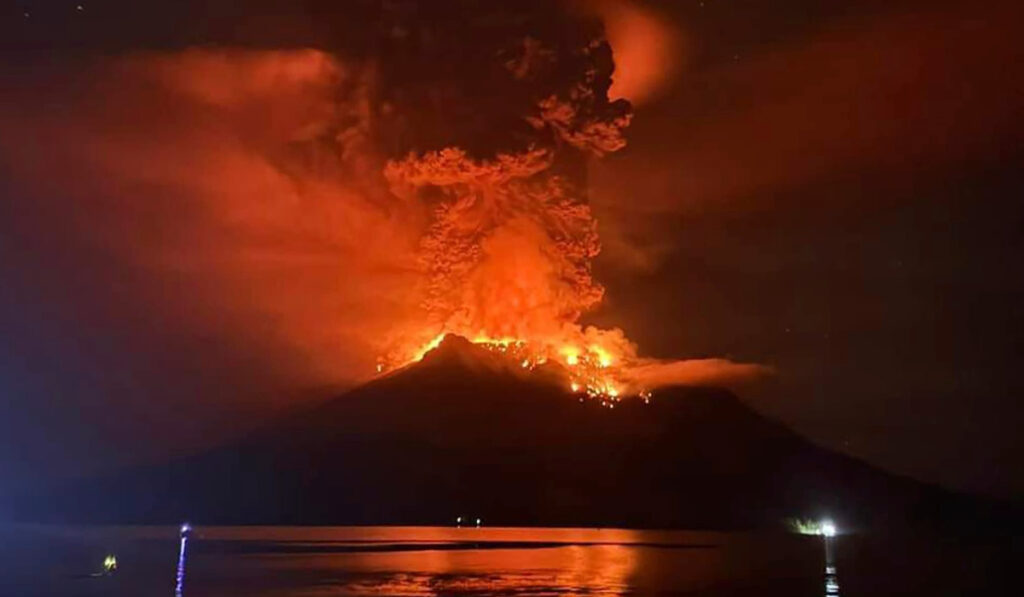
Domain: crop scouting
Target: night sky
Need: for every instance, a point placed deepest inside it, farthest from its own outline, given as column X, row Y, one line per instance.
column 828, row 188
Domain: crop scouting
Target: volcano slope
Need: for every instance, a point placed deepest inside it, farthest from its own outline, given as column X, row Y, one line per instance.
column 462, row 433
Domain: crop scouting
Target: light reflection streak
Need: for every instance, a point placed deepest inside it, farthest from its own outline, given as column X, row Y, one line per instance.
column 179, row 578
column 831, row 578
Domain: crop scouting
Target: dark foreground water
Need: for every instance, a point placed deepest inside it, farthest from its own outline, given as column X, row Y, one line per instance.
column 314, row 561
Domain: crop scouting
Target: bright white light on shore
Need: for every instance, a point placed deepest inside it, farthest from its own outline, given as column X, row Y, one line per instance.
column 828, row 528
column 186, row 528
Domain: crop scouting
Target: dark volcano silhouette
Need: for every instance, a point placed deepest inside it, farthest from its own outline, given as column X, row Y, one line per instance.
column 462, row 434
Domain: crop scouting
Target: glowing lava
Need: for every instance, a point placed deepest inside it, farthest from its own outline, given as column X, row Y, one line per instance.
column 593, row 371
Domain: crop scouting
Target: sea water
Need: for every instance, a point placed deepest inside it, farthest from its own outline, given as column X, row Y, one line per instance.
column 314, row 561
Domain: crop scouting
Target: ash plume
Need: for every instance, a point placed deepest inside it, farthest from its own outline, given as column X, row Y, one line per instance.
column 510, row 237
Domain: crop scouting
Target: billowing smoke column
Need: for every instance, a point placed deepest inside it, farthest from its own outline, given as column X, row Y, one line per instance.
column 509, row 240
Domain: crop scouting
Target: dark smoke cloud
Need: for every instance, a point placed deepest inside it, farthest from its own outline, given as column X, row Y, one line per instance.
column 896, row 92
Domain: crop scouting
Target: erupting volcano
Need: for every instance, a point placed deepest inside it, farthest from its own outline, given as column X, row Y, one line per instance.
column 342, row 262
column 505, row 258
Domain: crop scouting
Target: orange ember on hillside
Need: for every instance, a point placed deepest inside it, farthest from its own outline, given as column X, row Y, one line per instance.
column 592, row 371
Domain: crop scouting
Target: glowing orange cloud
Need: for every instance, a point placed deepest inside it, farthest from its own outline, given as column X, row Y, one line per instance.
column 219, row 169
column 649, row 49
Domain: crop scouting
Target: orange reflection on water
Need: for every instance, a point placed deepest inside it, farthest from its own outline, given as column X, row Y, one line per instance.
column 465, row 561
column 315, row 561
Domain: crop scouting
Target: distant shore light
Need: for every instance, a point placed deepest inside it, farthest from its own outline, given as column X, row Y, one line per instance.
column 828, row 528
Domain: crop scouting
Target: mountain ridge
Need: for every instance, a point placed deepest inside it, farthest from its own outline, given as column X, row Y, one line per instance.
column 465, row 432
